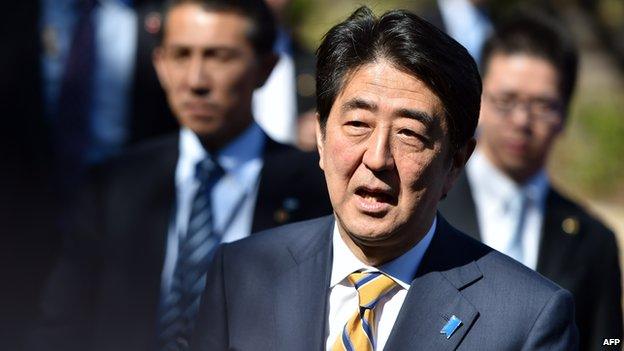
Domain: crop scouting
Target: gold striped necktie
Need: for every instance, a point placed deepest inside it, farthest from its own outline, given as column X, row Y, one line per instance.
column 359, row 332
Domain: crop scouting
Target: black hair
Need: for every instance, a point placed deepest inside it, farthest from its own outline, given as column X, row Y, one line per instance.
column 263, row 32
column 414, row 46
column 536, row 34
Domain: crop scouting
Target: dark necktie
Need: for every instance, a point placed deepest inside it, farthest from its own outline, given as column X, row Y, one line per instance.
column 72, row 120
column 195, row 251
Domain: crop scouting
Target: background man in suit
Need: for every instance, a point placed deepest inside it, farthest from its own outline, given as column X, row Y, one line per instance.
column 398, row 103
column 505, row 198
column 128, row 105
column 133, row 269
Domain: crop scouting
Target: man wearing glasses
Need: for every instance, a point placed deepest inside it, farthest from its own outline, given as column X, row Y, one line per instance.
column 505, row 199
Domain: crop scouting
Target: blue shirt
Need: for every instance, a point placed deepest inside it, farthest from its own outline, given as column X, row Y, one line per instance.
column 116, row 41
column 233, row 197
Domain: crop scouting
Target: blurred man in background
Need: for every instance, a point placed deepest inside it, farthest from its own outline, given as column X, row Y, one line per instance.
column 133, row 267
column 529, row 70
column 78, row 87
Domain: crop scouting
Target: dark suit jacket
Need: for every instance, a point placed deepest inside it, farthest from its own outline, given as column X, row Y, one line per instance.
column 270, row 292
column 103, row 294
column 583, row 260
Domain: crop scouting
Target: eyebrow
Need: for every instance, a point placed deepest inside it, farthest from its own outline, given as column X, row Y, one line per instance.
column 361, row 104
column 420, row 116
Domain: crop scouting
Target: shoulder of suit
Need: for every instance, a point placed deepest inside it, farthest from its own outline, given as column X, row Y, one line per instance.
column 276, row 240
column 290, row 159
column 501, row 271
column 156, row 153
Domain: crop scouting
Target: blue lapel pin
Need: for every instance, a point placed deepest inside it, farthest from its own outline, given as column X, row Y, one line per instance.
column 450, row 326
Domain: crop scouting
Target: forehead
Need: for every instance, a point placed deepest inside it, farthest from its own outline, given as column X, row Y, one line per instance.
column 190, row 24
column 388, row 87
column 521, row 73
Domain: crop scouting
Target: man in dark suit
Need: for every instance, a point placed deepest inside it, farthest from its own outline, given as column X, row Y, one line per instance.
column 29, row 204
column 398, row 103
column 133, row 267
column 505, row 199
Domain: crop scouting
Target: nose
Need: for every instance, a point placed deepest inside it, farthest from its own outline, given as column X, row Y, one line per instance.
column 378, row 155
column 197, row 76
column 521, row 115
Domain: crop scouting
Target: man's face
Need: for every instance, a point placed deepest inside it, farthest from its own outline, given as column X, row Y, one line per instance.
column 521, row 113
column 209, row 70
column 386, row 157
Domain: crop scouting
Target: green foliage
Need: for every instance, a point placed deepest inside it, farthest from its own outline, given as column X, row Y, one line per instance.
column 590, row 157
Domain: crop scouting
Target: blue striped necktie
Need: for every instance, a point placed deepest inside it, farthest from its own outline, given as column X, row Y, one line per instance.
column 195, row 251
column 359, row 332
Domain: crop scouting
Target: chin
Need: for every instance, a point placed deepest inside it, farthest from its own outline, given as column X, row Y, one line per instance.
column 367, row 229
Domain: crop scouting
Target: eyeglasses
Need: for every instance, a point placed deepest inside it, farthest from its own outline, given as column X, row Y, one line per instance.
column 545, row 110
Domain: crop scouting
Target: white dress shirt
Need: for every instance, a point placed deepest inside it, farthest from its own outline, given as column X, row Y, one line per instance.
column 233, row 196
column 466, row 24
column 275, row 103
column 343, row 297
column 493, row 193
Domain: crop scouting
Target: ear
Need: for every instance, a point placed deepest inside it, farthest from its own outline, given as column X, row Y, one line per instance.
column 158, row 60
column 267, row 63
column 320, row 140
column 458, row 162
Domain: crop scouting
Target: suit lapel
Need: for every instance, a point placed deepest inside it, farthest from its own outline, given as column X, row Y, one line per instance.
column 302, row 292
column 435, row 296
column 459, row 207
column 263, row 212
column 559, row 242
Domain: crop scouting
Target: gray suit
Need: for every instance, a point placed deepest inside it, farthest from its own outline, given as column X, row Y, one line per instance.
column 270, row 292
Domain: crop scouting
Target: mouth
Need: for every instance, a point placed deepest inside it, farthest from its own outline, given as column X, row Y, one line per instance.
column 200, row 109
column 374, row 201
column 517, row 147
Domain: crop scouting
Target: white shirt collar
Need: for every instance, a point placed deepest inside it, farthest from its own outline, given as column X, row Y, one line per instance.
column 491, row 183
column 248, row 146
column 402, row 269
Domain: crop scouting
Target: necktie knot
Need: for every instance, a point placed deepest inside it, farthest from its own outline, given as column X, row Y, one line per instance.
column 208, row 170
column 371, row 287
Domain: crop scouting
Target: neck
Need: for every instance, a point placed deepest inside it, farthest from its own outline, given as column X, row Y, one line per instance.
column 383, row 250
column 217, row 141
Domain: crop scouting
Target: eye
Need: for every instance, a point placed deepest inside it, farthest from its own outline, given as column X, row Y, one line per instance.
column 412, row 138
column 356, row 128
column 356, row 124
column 408, row 133
column 180, row 53
column 221, row 55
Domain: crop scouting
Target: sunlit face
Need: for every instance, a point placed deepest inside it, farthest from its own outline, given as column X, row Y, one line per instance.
column 521, row 113
column 386, row 157
column 209, row 70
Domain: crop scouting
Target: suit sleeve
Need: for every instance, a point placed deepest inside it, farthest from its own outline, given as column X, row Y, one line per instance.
column 554, row 328
column 67, row 300
column 211, row 330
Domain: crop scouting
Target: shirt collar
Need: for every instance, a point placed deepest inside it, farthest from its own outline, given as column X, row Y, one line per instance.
column 248, row 146
column 492, row 183
column 402, row 269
